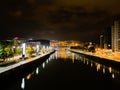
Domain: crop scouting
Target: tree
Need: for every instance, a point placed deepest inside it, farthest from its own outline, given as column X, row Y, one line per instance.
column 30, row 50
column 14, row 44
column 6, row 50
column 19, row 50
column 1, row 49
column 9, row 51
column 3, row 54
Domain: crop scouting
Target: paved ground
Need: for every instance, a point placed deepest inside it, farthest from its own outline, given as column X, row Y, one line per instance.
column 6, row 68
column 106, row 55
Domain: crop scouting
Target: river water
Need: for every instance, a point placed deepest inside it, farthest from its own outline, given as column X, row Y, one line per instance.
column 66, row 70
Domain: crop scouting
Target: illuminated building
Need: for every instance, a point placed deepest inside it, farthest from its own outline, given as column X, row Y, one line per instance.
column 67, row 43
column 116, row 37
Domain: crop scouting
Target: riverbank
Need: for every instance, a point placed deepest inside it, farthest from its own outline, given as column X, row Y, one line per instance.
column 106, row 60
column 102, row 56
column 23, row 63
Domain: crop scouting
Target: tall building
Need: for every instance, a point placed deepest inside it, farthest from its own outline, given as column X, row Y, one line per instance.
column 101, row 41
column 116, row 36
column 107, row 38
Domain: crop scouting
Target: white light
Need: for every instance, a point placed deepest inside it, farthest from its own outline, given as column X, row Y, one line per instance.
column 109, row 45
column 103, row 70
column 37, row 71
column 91, row 64
column 43, row 65
column 37, row 46
column 47, row 60
column 87, row 62
column 113, row 76
column 43, row 47
column 23, row 48
column 23, row 83
column 84, row 61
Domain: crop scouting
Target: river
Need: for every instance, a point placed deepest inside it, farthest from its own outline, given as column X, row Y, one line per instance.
column 65, row 70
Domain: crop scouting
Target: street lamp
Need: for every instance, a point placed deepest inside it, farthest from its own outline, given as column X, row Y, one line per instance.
column 101, row 41
column 37, row 49
column 23, row 51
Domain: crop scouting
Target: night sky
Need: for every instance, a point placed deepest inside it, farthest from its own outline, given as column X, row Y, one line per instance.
column 82, row 20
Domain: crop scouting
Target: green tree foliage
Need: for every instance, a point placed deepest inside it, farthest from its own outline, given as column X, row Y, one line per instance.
column 30, row 50
column 1, row 49
column 14, row 42
column 3, row 54
column 9, row 51
column 14, row 45
column 6, row 50
column 18, row 50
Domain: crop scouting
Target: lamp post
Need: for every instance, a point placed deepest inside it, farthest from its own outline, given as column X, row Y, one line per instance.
column 101, row 41
column 37, row 49
column 23, row 51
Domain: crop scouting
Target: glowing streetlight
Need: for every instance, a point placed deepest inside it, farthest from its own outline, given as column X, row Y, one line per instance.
column 37, row 49
column 23, row 50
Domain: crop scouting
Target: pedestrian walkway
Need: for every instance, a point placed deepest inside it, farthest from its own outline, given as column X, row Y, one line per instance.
column 113, row 57
column 22, row 62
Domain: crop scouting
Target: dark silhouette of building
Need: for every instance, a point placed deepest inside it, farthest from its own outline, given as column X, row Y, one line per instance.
column 42, row 42
column 107, row 38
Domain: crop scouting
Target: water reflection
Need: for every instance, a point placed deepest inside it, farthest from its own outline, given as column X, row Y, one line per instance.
column 23, row 83
column 43, row 65
column 28, row 76
column 113, row 76
column 64, row 54
column 110, row 69
column 37, row 70
column 61, row 53
column 103, row 70
column 99, row 67
column 91, row 64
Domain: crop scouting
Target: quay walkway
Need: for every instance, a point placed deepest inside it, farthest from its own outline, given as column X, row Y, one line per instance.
column 5, row 69
column 112, row 60
column 102, row 56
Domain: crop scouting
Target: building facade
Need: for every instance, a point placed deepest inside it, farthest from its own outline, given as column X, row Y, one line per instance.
column 107, row 38
column 116, row 36
column 67, row 43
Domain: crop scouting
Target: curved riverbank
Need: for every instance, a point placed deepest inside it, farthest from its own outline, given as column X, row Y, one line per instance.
column 23, row 65
column 103, row 60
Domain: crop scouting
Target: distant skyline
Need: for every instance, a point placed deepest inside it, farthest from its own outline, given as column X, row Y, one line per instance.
column 57, row 19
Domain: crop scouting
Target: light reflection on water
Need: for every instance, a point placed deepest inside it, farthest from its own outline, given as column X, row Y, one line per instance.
column 99, row 67
column 23, row 83
column 64, row 54
column 37, row 70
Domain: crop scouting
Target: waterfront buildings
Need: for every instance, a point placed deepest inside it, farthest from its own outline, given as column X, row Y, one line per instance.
column 64, row 43
column 107, row 38
column 115, row 35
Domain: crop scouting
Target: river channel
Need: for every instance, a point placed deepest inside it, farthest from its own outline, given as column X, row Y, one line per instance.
column 65, row 70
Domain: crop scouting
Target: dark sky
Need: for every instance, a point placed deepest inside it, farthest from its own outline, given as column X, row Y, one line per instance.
column 82, row 20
